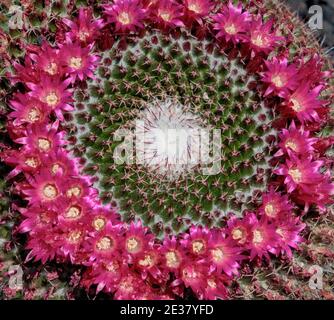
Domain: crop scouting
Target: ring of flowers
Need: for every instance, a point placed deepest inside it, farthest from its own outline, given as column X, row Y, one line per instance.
column 91, row 234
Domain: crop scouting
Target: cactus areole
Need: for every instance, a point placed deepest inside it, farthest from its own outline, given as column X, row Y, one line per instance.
column 166, row 145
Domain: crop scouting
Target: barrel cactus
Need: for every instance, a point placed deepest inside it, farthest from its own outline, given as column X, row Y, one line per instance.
column 168, row 149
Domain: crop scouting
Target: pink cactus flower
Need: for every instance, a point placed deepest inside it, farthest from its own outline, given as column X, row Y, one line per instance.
column 38, row 216
column 280, row 77
column 47, row 61
column 167, row 14
column 85, row 28
column 136, row 241
column 262, row 39
column 196, row 242
column 289, row 234
column 105, row 243
column 45, row 189
column 54, row 93
column 275, row 205
column 295, row 141
column 231, row 23
column 301, row 173
column 42, row 139
column 197, row 10
column 28, row 161
column 224, row 254
column 108, row 273
column 215, row 288
column 28, row 110
column 304, row 103
column 172, row 254
column 263, row 237
column 127, row 15
column 78, row 62
column 44, row 245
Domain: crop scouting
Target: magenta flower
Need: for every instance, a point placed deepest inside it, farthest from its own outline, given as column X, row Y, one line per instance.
column 263, row 237
column 47, row 61
column 78, row 187
column 295, row 141
column 27, row 109
column 215, row 288
column 196, row 242
column 262, row 38
column 108, row 273
column 78, row 62
column 224, row 255
column 39, row 217
column 25, row 72
column 301, row 173
column 167, row 14
column 105, row 243
column 136, row 241
column 238, row 229
column 53, row 93
column 280, row 77
column 127, row 15
column 42, row 139
column 193, row 275
column 304, row 103
column 44, row 188
column 275, row 205
column 172, row 254
column 85, row 28
column 288, row 231
column 197, row 9
column 131, row 287
column 43, row 245
column 231, row 23
column 27, row 161
column 59, row 162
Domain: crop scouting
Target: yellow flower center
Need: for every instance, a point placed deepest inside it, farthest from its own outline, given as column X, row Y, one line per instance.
column 105, row 243
column 296, row 175
column 99, row 223
column 257, row 237
column 50, row 191
column 270, row 210
column 83, row 35
column 124, row 18
column 291, row 144
column 217, row 254
column 172, row 259
column 132, row 244
column 165, row 16
column 31, row 162
column 74, row 236
column 231, row 29
column 112, row 267
column 195, row 7
column 148, row 261
column 73, row 191
column 278, row 81
column 296, row 106
column 44, row 144
column 237, row 234
column 190, row 274
column 34, row 115
column 75, row 63
column 259, row 41
column 52, row 99
column 198, row 246
column 51, row 69
column 73, row 212
column 280, row 232
column 212, row 283
column 55, row 168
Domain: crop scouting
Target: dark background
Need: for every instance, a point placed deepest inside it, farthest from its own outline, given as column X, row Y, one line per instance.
column 301, row 7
